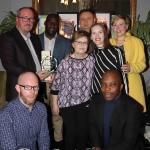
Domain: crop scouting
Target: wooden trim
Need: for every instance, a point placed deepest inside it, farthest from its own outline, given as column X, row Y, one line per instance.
column 35, row 4
column 133, row 7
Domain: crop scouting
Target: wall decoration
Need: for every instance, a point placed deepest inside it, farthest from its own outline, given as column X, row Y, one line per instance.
column 104, row 18
column 69, row 23
column 112, row 32
column 41, row 26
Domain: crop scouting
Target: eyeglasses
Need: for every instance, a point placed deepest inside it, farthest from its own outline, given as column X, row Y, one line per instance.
column 25, row 19
column 81, row 43
column 28, row 87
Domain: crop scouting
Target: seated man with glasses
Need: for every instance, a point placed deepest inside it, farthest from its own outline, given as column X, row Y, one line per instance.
column 23, row 121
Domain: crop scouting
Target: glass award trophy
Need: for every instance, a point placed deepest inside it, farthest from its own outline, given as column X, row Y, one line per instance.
column 48, row 62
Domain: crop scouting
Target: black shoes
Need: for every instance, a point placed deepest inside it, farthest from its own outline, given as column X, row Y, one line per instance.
column 59, row 145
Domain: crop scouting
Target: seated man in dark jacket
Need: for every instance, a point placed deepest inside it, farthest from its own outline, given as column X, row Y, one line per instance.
column 114, row 117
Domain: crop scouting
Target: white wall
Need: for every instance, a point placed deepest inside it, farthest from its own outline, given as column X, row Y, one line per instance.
column 16, row 4
column 5, row 5
column 143, row 7
column 11, row 5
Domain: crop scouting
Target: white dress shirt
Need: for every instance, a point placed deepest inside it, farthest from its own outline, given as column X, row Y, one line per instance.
column 49, row 44
column 32, row 50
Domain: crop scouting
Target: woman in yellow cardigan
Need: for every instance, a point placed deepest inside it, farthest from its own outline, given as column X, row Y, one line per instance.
column 135, row 57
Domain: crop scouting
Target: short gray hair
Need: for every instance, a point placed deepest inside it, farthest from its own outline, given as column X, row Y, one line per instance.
column 30, row 8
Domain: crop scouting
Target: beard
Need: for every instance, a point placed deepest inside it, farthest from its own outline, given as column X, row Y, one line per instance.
column 26, row 100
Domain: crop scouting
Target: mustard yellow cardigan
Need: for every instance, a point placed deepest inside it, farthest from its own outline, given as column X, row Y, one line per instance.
column 135, row 56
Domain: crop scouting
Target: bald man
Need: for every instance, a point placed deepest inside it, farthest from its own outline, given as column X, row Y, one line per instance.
column 23, row 121
column 114, row 116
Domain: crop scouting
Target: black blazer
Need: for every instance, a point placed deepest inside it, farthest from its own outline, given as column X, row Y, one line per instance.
column 16, row 58
column 124, row 126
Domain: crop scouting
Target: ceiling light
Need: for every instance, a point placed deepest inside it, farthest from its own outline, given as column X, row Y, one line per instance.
column 62, row 1
column 74, row 1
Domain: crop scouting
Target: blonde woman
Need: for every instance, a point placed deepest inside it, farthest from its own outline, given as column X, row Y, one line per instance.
column 134, row 55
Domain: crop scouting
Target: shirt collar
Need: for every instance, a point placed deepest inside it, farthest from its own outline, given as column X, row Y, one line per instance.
column 114, row 100
column 48, row 38
column 25, row 37
column 21, row 106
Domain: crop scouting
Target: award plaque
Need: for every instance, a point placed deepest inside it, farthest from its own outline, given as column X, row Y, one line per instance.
column 48, row 62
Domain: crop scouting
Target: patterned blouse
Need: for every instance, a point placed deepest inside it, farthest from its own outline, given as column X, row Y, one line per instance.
column 109, row 59
column 72, row 82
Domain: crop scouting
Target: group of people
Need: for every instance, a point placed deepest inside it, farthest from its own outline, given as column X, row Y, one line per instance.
column 97, row 91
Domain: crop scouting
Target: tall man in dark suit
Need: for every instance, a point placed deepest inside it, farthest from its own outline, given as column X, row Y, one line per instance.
column 114, row 116
column 59, row 47
column 20, row 51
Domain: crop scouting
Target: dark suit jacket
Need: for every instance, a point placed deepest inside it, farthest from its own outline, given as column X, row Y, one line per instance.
column 16, row 58
column 62, row 46
column 124, row 126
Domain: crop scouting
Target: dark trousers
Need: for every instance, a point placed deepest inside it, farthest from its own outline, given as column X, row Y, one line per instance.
column 76, row 126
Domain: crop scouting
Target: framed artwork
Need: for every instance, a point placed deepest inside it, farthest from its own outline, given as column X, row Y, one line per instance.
column 69, row 23
column 104, row 18
column 112, row 33
column 41, row 26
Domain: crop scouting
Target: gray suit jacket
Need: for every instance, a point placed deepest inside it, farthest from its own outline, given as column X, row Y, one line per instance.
column 62, row 46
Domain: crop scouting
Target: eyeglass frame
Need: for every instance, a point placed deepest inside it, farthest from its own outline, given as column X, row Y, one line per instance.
column 82, row 43
column 32, row 87
column 28, row 19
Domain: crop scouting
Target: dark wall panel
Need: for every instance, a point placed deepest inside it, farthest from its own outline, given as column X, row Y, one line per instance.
column 109, row 6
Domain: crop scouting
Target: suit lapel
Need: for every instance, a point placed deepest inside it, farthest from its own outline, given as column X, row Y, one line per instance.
column 36, row 46
column 56, row 48
column 21, row 42
column 42, row 41
column 101, row 112
column 25, row 48
column 117, row 109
